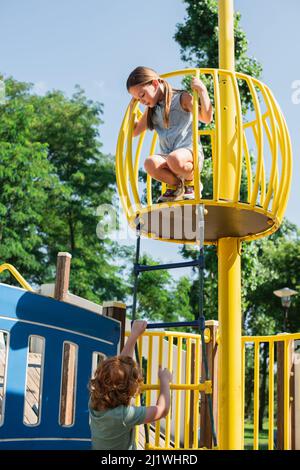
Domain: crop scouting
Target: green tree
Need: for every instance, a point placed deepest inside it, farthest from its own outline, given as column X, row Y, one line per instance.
column 26, row 176
column 198, row 40
column 58, row 142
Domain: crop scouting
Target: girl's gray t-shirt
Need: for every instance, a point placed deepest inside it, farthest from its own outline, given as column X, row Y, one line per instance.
column 113, row 429
column 179, row 134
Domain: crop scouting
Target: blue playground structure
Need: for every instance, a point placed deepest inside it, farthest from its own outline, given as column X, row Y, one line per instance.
column 25, row 315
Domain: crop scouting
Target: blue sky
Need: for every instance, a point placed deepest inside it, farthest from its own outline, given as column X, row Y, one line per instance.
column 97, row 43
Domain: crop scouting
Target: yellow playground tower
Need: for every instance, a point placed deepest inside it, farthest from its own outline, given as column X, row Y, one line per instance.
column 229, row 219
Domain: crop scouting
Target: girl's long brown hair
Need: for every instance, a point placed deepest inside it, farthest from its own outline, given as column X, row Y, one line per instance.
column 143, row 76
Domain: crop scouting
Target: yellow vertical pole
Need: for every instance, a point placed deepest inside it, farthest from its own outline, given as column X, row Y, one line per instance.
column 228, row 161
column 230, row 353
column 229, row 262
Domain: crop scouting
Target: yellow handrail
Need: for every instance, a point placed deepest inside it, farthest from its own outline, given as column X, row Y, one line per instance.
column 16, row 275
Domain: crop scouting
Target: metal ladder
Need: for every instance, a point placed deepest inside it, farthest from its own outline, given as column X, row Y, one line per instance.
column 199, row 323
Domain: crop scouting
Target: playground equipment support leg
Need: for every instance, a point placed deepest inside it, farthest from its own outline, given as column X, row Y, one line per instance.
column 230, row 377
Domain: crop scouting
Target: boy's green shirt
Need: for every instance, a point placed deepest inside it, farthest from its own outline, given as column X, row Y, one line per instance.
column 113, row 429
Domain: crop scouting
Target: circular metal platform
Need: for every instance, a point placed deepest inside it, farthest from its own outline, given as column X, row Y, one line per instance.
column 178, row 222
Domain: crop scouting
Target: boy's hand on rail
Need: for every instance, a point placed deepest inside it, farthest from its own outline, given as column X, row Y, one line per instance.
column 138, row 327
column 164, row 375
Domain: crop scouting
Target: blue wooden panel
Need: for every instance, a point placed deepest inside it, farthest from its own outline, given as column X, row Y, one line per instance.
column 23, row 314
column 23, row 305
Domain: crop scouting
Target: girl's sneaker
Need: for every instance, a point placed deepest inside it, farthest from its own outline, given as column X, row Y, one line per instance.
column 189, row 192
column 173, row 194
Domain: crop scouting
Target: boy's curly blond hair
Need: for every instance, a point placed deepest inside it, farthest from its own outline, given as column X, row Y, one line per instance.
column 116, row 380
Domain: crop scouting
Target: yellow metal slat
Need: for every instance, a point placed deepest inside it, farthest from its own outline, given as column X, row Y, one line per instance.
column 178, row 394
column 256, row 397
column 243, row 392
column 160, row 361
column 271, row 396
column 218, row 128
column 170, row 367
column 239, row 136
column 286, row 398
column 196, row 394
column 187, row 413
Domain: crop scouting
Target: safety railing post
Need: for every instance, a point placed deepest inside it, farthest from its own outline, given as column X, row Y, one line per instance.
column 116, row 310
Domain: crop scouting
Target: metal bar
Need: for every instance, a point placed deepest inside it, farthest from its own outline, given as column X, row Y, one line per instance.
column 177, row 324
column 185, row 264
column 137, row 258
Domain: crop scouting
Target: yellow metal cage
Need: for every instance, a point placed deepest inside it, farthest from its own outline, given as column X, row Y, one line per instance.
column 260, row 156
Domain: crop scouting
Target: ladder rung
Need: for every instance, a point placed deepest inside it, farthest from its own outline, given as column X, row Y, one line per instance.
column 184, row 264
column 178, row 324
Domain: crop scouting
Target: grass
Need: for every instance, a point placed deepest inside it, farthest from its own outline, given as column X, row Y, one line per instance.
column 249, row 434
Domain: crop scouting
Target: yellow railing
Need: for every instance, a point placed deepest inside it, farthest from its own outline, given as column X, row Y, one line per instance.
column 269, row 145
column 16, row 274
column 180, row 353
column 280, row 359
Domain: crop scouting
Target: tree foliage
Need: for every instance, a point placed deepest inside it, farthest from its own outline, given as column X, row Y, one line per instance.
column 54, row 176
